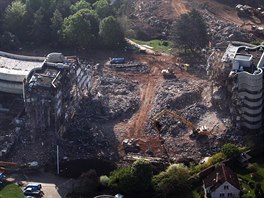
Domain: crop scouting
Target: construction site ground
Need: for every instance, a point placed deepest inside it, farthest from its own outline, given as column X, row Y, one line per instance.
column 122, row 103
column 140, row 125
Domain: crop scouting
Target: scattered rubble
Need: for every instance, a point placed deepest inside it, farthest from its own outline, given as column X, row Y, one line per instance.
column 130, row 66
column 113, row 97
column 222, row 31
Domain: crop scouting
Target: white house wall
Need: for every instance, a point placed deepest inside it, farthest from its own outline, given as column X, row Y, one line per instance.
column 221, row 189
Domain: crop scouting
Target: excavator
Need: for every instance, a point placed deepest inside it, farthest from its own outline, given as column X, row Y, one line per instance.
column 196, row 132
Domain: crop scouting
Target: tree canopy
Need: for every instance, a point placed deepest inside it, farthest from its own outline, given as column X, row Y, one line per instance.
column 136, row 178
column 172, row 181
column 111, row 32
column 60, row 22
column 230, row 150
column 190, row 31
column 14, row 18
column 81, row 28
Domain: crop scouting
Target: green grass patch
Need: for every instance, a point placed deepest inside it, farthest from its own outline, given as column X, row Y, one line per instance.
column 11, row 191
column 158, row 45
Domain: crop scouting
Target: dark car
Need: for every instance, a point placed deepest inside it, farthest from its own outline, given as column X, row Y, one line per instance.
column 33, row 186
column 33, row 192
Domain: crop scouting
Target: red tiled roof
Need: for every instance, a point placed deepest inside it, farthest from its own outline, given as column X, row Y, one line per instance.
column 220, row 175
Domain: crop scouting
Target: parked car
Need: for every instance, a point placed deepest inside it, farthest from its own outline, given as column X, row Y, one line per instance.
column 33, row 192
column 33, row 186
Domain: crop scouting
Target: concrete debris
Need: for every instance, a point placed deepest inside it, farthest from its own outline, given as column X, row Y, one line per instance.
column 113, row 97
column 130, row 66
column 222, row 31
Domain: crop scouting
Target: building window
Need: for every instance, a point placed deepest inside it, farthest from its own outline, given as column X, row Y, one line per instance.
column 222, row 194
column 226, row 187
column 229, row 195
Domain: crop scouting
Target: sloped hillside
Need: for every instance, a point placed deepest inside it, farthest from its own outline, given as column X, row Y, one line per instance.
column 153, row 18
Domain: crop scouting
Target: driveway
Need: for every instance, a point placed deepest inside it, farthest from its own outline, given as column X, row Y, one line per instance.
column 53, row 186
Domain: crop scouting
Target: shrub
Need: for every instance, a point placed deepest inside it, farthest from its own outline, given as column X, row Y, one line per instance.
column 132, row 179
column 104, row 180
column 142, row 171
column 230, row 150
column 172, row 181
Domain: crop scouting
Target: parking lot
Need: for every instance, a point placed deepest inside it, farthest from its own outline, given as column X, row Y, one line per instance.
column 53, row 186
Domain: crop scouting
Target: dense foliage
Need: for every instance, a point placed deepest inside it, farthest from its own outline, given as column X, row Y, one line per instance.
column 173, row 181
column 136, row 178
column 75, row 23
column 190, row 31
column 230, row 150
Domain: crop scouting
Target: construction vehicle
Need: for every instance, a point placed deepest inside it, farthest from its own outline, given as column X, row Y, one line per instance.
column 203, row 131
column 168, row 73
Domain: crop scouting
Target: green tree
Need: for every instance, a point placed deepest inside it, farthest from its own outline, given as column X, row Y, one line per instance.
column 190, row 31
column 14, row 18
column 39, row 28
column 81, row 28
column 82, row 4
column 142, row 171
column 103, row 8
column 230, row 150
column 122, row 180
column 111, row 33
column 56, row 24
column 9, row 41
column 132, row 179
column 63, row 6
column 173, row 181
column 87, row 183
column 33, row 5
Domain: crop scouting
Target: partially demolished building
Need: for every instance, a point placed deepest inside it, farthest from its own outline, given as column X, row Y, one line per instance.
column 48, row 93
column 246, row 78
column 51, row 87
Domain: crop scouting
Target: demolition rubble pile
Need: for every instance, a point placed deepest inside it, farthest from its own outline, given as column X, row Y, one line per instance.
column 131, row 66
column 181, row 97
column 6, row 142
column 186, row 100
column 146, row 16
column 222, row 31
column 111, row 98
column 85, row 139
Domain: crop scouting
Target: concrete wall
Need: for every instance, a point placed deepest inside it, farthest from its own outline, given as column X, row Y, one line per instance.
column 250, row 88
column 11, row 87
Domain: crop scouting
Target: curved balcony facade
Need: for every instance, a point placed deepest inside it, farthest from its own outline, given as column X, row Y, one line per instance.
column 250, row 92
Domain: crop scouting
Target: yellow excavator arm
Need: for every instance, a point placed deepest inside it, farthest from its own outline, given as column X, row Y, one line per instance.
column 175, row 116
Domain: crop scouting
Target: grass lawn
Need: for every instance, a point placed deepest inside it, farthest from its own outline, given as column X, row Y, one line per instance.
column 158, row 45
column 11, row 191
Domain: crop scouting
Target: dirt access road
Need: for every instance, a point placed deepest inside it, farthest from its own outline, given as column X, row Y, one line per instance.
column 135, row 126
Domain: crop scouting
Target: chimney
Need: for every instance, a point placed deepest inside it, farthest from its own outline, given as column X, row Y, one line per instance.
column 217, row 177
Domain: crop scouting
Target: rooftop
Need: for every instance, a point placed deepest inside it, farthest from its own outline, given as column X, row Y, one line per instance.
column 17, row 62
column 220, row 175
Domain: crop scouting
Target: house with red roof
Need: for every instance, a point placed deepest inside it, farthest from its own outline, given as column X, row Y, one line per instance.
column 221, row 183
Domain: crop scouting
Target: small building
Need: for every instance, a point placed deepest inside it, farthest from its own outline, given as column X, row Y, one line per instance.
column 243, row 159
column 222, row 182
